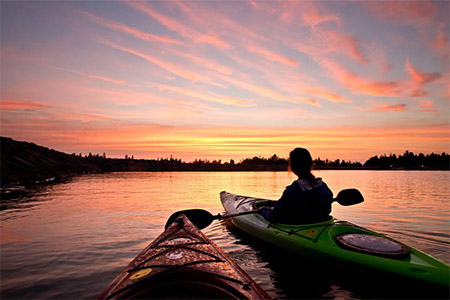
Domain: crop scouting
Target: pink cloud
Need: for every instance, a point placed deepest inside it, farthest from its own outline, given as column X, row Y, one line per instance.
column 420, row 79
column 328, row 95
column 324, row 42
column 427, row 106
column 175, row 26
column 363, row 85
column 14, row 104
column 210, row 64
column 441, row 41
column 432, row 111
column 207, row 96
column 354, row 46
column 129, row 30
column 263, row 91
column 418, row 12
column 396, row 107
column 172, row 68
column 164, row 65
column 441, row 45
column 324, row 39
column 103, row 78
column 312, row 18
column 377, row 53
column 271, row 56
column 218, row 22
column 310, row 101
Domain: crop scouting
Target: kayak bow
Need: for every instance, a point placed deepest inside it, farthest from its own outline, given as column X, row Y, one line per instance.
column 182, row 263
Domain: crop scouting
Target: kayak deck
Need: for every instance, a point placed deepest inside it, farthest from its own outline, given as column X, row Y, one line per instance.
column 182, row 263
column 320, row 241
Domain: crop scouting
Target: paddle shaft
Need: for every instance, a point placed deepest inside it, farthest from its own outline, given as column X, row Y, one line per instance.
column 202, row 218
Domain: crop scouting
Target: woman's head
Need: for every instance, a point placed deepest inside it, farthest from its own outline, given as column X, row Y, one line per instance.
column 300, row 162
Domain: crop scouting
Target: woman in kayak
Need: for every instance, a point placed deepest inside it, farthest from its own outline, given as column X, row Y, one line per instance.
column 307, row 200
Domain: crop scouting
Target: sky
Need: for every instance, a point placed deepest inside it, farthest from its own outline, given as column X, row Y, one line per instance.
column 227, row 79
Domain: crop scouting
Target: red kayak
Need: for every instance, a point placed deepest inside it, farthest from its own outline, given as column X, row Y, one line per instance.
column 182, row 263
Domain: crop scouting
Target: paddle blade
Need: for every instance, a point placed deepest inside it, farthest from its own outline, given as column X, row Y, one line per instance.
column 199, row 217
column 349, row 197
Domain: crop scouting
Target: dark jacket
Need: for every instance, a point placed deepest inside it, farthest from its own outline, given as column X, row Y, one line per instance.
column 301, row 203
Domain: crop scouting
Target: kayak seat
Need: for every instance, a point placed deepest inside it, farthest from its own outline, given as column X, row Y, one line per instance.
column 372, row 244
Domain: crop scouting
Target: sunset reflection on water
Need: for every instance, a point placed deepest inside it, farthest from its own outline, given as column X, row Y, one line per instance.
column 90, row 227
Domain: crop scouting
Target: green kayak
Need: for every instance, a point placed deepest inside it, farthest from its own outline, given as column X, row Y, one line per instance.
column 336, row 241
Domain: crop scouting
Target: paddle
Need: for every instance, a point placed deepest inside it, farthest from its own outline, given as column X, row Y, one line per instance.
column 202, row 218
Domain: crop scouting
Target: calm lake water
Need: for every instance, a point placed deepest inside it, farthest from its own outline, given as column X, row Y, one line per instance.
column 69, row 240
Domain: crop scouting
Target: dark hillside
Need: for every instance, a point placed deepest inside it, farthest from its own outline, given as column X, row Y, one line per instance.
column 27, row 163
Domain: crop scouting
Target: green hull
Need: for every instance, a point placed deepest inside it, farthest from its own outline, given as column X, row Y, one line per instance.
column 319, row 241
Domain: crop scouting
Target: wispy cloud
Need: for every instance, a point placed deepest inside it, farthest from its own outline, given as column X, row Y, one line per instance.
column 172, row 68
column 175, row 26
column 16, row 104
column 266, row 92
column 321, row 92
column 312, row 17
column 427, row 106
column 116, row 26
column 207, row 96
column 98, row 77
column 395, row 107
column 359, row 84
column 415, row 12
column 326, row 39
column 418, row 78
column 205, row 62
column 218, row 22
column 271, row 55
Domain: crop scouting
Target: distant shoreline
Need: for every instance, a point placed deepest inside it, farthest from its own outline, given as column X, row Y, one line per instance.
column 27, row 164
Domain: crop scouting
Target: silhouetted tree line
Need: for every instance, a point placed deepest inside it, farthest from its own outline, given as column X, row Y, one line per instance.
column 410, row 161
column 407, row 161
column 28, row 164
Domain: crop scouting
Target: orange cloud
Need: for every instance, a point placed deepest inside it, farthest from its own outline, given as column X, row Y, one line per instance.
column 129, row 30
column 207, row 96
column 362, row 85
column 312, row 18
column 266, row 92
column 272, row 56
column 160, row 63
column 396, row 107
column 174, row 69
column 419, row 79
column 133, row 98
column 310, row 101
column 354, row 47
column 13, row 104
column 427, row 106
column 325, row 39
column 179, row 28
column 327, row 95
column 213, row 65
column 218, row 22
column 103, row 78
column 322, row 42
